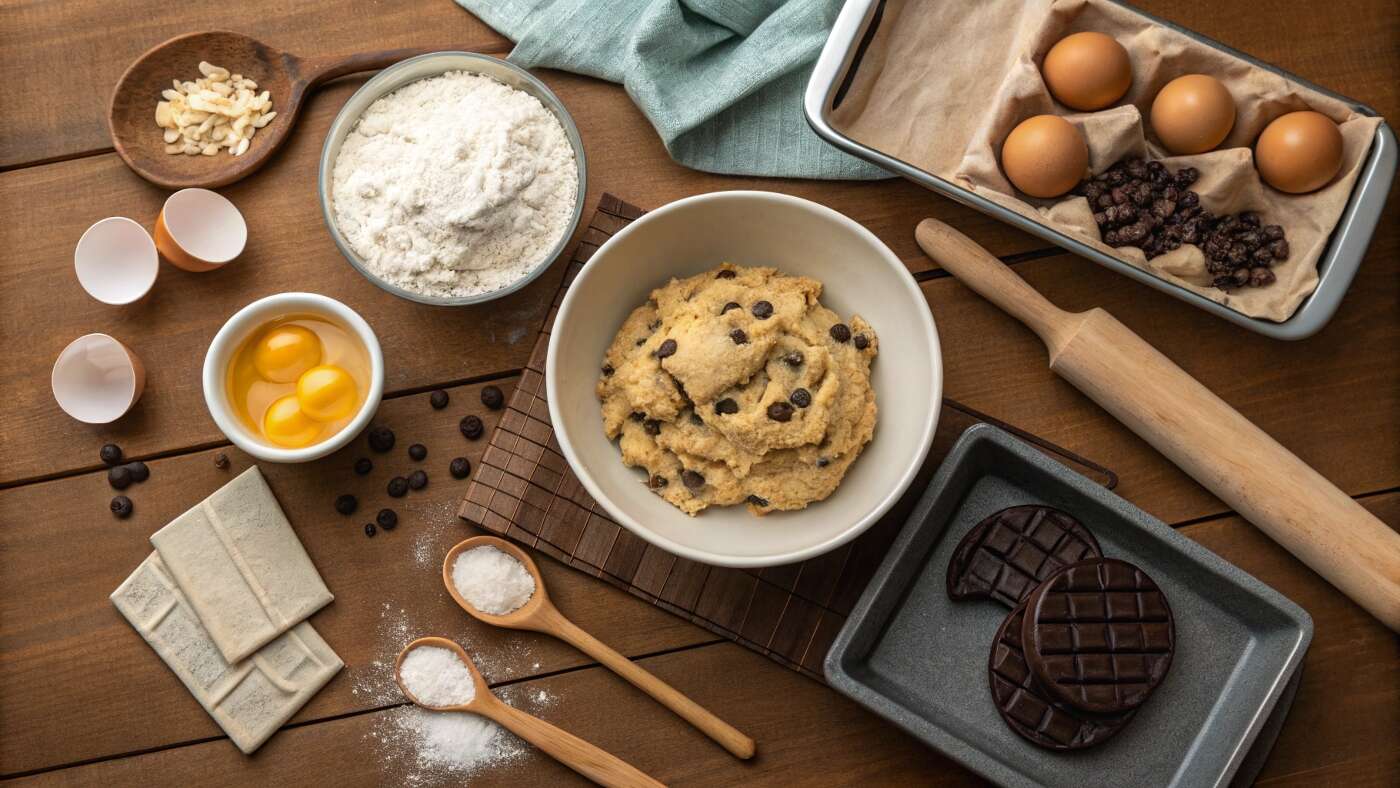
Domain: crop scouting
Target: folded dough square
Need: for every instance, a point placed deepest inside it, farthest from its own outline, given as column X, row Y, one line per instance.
column 250, row 699
column 242, row 567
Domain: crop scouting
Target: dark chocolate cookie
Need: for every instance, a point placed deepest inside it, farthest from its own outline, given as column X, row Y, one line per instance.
column 1027, row 708
column 1099, row 635
column 1007, row 555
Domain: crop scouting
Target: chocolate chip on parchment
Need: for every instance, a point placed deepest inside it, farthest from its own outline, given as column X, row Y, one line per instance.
column 762, row 310
column 119, row 477
column 780, row 411
column 381, row 439
column 110, row 453
column 460, row 467
column 800, row 397
column 492, row 398
column 388, row 519
column 418, row 479
column 667, row 349
column 471, row 427
column 726, row 405
column 398, row 487
column 861, row 341
column 727, row 273
column 417, row 452
column 121, row 507
column 692, row 480
column 729, row 306
column 438, row 399
column 841, row 332
column 346, row 504
column 739, row 337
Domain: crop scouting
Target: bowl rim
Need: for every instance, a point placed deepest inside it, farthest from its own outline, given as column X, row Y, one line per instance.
column 343, row 124
column 887, row 501
column 247, row 319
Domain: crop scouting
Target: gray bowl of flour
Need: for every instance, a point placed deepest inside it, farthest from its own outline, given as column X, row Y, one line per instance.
column 452, row 179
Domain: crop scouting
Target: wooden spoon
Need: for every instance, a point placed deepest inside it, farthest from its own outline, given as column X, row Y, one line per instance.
column 540, row 615
column 592, row 762
column 132, row 116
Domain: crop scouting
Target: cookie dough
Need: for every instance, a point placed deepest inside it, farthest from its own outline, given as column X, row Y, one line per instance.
column 738, row 386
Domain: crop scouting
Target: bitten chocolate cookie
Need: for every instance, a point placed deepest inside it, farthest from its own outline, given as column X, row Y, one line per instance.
column 1029, row 710
column 1099, row 636
column 1007, row 555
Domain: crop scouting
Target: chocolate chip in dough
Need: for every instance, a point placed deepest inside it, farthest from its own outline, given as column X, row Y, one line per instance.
column 651, row 427
column 762, row 310
column 418, row 479
column 729, row 306
column 346, row 504
column 637, row 416
column 471, row 427
column 692, row 480
column 492, row 398
column 438, row 399
column 119, row 477
column 780, row 411
column 739, row 337
column 460, row 467
column 139, row 471
column 727, row 273
column 757, row 501
column 398, row 487
column 800, row 397
column 387, row 519
column 381, row 439
column 608, row 370
column 110, row 453
column 726, row 406
column 363, row 466
column 841, row 332
column 417, row 452
column 657, row 481
column 822, row 462
column 794, row 359
column 861, row 341
column 121, row 507
column 667, row 349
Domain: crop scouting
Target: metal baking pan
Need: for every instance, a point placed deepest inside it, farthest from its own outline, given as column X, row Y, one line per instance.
column 919, row 659
column 1336, row 268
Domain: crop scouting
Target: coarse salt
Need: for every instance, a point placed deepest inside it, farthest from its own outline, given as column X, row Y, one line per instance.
column 492, row 581
column 437, row 677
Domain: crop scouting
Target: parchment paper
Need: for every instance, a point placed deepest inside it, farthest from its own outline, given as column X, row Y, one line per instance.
column 943, row 83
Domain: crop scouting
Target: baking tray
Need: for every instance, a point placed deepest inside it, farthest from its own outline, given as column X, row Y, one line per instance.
column 917, row 658
column 1336, row 268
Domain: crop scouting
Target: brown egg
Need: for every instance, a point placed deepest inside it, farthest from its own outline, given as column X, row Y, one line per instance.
column 1045, row 156
column 1299, row 152
column 1193, row 114
column 1087, row 71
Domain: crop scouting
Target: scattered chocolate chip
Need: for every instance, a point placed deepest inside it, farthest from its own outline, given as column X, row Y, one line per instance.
column 841, row 332
column 369, row 529
column 139, row 471
column 438, row 399
column 800, row 397
column 757, row 501
column 387, row 519
column 471, row 427
column 460, row 467
column 417, row 452
column 346, row 504
column 667, row 349
column 780, row 411
column 794, row 359
column 762, row 310
column 822, row 462
column 608, row 370
column 110, row 453
column 418, row 479
column 729, row 306
column 381, row 439
column 119, row 477
column 121, row 507
column 861, row 341
column 739, row 337
column 651, row 427
column 221, row 461
column 657, row 481
column 398, row 487
column 692, row 480
column 727, row 273
column 726, row 405
column 363, row 466
column 492, row 398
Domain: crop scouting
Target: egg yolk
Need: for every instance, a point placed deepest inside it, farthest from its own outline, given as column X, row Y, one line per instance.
column 326, row 393
column 285, row 424
column 283, row 354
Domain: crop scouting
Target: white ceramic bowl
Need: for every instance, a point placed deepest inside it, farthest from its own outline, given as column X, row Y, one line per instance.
column 860, row 276
column 249, row 319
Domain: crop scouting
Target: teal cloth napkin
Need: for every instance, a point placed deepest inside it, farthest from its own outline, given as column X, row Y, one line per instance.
column 721, row 80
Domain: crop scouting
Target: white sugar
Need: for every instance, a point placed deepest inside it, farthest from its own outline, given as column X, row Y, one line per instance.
column 492, row 581
column 437, row 677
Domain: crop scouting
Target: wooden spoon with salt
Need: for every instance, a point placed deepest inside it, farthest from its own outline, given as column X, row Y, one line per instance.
column 288, row 78
column 540, row 615
column 588, row 760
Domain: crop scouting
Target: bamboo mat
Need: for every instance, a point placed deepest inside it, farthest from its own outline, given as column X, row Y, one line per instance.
column 523, row 490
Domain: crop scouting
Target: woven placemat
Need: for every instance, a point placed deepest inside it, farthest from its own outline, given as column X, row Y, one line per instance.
column 524, row 490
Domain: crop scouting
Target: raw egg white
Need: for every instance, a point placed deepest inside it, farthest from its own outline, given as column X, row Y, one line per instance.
column 1299, row 152
column 1045, row 156
column 1087, row 71
column 1193, row 114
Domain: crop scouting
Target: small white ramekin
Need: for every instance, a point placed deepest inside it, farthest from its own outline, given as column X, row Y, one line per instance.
column 249, row 319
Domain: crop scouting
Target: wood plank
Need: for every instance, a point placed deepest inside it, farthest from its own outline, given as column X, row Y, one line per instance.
column 1342, row 723
column 51, row 43
column 1333, row 399
column 64, row 644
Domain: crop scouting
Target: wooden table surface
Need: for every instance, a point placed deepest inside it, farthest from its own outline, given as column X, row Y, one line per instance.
column 83, row 700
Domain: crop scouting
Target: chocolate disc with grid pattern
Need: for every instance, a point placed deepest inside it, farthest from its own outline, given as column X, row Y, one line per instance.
column 1099, row 635
column 1029, row 710
column 1007, row 555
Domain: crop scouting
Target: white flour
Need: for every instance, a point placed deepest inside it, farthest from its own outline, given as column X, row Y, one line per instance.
column 454, row 185
column 491, row 580
column 437, row 677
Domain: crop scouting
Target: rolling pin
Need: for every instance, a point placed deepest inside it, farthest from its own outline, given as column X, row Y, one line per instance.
column 1199, row 432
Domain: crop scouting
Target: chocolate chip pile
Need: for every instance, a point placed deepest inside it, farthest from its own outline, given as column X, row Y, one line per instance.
column 1140, row 203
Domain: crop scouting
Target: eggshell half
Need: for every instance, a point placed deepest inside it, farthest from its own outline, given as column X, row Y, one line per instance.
column 116, row 261
column 97, row 379
column 200, row 230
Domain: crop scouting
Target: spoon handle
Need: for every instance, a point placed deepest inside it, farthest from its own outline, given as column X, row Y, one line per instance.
column 315, row 70
column 588, row 760
column 726, row 735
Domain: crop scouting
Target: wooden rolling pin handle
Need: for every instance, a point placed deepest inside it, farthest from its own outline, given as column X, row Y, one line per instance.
column 595, row 763
column 1251, row 472
column 724, row 734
